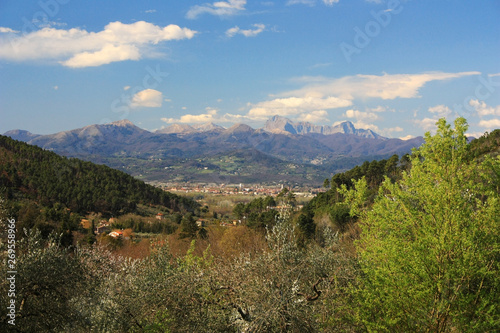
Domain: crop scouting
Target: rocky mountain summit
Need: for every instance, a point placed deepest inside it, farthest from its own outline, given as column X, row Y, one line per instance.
column 278, row 124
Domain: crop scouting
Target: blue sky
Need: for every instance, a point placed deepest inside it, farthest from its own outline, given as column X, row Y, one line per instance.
column 391, row 66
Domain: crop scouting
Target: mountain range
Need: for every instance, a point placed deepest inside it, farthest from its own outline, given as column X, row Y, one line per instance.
column 321, row 150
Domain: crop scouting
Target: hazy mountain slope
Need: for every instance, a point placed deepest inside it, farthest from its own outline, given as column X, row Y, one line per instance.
column 126, row 145
column 21, row 135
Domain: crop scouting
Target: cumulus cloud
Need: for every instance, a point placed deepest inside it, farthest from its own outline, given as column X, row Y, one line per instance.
column 108, row 54
column 219, row 8
column 386, row 86
column 490, row 124
column 322, row 94
column 314, row 116
column 148, row 98
column 427, row 124
column 209, row 116
column 296, row 106
column 80, row 48
column 483, row 109
column 358, row 115
column 247, row 33
column 380, row 108
column 440, row 111
column 6, row 30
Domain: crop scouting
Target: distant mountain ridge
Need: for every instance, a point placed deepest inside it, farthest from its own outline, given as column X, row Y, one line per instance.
column 185, row 129
column 278, row 124
column 21, row 135
column 119, row 143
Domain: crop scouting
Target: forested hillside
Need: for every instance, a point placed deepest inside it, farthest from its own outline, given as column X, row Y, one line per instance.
column 49, row 192
column 32, row 173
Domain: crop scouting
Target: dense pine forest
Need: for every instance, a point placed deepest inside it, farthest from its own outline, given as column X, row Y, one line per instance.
column 407, row 244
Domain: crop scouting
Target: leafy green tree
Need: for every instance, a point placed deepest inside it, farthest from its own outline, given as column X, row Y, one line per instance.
column 430, row 246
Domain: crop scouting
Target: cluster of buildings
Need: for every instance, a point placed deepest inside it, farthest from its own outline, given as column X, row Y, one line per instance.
column 232, row 189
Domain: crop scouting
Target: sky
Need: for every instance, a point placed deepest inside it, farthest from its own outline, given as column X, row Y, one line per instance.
column 393, row 66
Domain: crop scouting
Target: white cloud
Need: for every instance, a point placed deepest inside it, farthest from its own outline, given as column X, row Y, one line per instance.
column 219, row 8
column 440, row 110
column 408, row 137
column 247, row 33
column 7, row 30
column 365, row 120
column 295, row 106
column 387, row 132
column 483, row 109
column 209, row 116
column 395, row 129
column 427, row 124
column 79, row 48
column 379, row 108
column 314, row 116
column 386, row 86
column 490, row 124
column 474, row 134
column 330, row 2
column 358, row 115
column 108, row 54
column 364, row 125
column 126, row 88
column 148, row 98
column 56, row 87
column 150, row 11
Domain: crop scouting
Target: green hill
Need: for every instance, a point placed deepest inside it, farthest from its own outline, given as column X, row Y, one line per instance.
column 31, row 176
